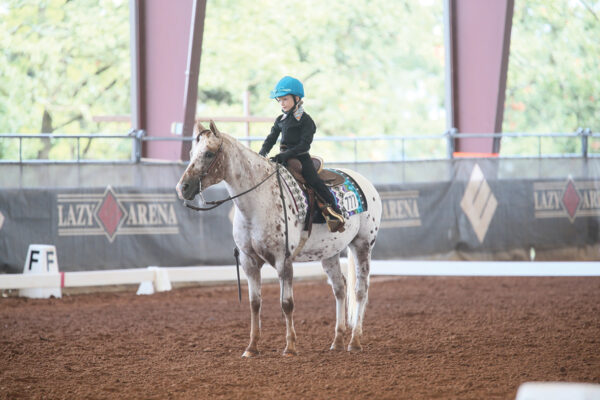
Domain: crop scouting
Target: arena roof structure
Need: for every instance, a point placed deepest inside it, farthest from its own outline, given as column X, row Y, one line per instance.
column 166, row 58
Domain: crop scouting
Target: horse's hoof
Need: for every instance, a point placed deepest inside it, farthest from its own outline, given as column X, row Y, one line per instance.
column 354, row 348
column 290, row 353
column 337, row 345
column 250, row 354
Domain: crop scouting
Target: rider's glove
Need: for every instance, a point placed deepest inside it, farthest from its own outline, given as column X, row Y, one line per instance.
column 280, row 158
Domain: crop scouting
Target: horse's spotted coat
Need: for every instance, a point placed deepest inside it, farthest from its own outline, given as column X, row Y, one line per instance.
column 259, row 226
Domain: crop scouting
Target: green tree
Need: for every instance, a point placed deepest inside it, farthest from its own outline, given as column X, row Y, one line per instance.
column 369, row 67
column 62, row 62
column 553, row 83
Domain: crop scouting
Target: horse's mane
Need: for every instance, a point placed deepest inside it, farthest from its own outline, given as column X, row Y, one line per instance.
column 247, row 152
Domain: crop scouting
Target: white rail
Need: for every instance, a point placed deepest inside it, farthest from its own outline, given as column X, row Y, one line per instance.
column 219, row 274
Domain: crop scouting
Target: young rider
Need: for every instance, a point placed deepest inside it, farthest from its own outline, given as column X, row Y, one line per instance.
column 297, row 130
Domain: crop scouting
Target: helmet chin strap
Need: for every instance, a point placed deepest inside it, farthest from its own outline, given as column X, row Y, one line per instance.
column 291, row 110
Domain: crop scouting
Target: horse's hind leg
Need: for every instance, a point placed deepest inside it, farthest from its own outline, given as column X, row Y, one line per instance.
column 338, row 284
column 252, row 270
column 286, row 275
column 362, row 256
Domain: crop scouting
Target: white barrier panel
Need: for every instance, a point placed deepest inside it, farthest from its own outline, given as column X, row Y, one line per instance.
column 558, row 391
column 224, row 274
column 41, row 261
column 217, row 274
column 486, row 268
column 159, row 277
column 108, row 277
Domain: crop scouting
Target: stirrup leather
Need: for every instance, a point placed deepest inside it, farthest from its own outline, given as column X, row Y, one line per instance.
column 335, row 221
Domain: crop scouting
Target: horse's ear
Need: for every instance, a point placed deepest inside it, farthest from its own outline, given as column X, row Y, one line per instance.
column 213, row 128
column 200, row 126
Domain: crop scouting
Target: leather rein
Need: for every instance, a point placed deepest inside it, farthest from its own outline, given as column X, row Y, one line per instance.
column 217, row 203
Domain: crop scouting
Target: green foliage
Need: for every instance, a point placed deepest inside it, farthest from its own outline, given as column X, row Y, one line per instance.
column 553, row 83
column 62, row 62
column 369, row 67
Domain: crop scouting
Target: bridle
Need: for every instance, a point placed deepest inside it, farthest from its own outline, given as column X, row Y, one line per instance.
column 215, row 204
column 214, row 160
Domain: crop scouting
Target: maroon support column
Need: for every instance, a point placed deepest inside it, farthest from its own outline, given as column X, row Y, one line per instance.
column 480, row 40
column 164, row 34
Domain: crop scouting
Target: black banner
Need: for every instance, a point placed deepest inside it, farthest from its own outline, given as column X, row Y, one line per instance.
column 474, row 215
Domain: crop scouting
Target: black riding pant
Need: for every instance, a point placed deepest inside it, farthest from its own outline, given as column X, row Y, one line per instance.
column 312, row 178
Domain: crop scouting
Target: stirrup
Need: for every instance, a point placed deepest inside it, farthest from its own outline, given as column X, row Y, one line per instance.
column 335, row 221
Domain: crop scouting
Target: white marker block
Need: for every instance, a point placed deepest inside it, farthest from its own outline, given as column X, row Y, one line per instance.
column 145, row 288
column 41, row 259
column 161, row 282
column 558, row 391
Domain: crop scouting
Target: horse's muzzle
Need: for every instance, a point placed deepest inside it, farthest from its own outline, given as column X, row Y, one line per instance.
column 187, row 190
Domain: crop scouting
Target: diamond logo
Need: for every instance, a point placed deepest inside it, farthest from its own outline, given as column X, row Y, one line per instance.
column 110, row 213
column 571, row 199
column 1, row 220
column 479, row 203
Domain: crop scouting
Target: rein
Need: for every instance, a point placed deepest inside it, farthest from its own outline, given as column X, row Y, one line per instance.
column 217, row 203
column 287, row 248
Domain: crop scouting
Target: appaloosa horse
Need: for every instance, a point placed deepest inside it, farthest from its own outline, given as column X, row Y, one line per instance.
column 261, row 231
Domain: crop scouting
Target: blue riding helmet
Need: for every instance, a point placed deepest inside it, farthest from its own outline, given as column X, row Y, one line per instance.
column 288, row 85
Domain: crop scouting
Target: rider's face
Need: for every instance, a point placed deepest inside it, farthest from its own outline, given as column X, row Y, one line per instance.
column 286, row 102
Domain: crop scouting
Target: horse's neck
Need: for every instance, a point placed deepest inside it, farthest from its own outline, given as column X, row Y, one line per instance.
column 246, row 169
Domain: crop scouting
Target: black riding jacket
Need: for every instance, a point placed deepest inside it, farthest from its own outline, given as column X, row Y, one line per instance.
column 296, row 135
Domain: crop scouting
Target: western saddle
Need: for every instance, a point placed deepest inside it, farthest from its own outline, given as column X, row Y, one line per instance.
column 330, row 178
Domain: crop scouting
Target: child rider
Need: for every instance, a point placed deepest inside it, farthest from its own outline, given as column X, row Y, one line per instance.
column 297, row 130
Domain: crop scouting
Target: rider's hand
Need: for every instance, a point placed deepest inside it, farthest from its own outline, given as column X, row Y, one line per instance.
column 279, row 158
column 263, row 153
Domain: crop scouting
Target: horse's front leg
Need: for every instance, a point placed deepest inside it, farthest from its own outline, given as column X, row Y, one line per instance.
column 338, row 284
column 252, row 270
column 286, row 275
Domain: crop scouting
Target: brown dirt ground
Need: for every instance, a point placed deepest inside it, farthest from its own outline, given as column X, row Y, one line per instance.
column 425, row 338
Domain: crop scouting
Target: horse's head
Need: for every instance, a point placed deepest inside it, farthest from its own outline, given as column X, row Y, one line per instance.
column 206, row 162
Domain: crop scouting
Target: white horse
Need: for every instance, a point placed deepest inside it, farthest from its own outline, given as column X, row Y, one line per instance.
column 259, row 231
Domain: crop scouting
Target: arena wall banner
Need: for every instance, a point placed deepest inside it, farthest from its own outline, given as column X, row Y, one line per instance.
column 474, row 211
column 111, row 228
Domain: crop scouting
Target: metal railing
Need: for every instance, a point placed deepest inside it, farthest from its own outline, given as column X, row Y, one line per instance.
column 447, row 139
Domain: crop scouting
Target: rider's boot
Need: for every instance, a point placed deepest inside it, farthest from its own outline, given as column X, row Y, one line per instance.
column 335, row 219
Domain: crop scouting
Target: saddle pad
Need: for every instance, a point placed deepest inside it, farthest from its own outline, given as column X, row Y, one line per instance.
column 348, row 196
column 300, row 201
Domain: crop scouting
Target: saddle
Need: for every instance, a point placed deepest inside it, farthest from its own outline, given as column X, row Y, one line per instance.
column 330, row 178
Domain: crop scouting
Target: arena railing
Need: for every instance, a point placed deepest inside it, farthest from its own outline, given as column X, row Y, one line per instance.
column 447, row 139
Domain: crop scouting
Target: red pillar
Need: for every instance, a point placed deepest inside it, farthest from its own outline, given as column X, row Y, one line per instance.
column 480, row 41
column 163, row 33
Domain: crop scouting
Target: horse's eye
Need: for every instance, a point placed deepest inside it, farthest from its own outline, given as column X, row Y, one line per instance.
column 209, row 154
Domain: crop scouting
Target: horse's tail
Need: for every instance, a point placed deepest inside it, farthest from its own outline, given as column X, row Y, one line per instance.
column 351, row 289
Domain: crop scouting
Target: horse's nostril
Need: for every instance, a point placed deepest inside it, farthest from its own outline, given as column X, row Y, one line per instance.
column 185, row 187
